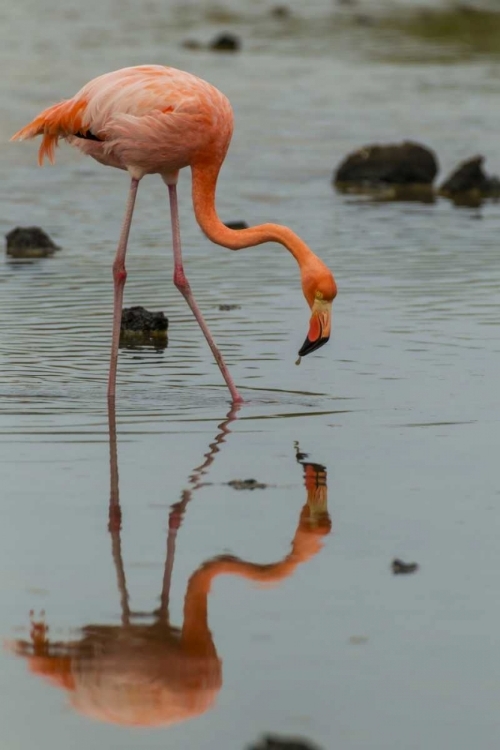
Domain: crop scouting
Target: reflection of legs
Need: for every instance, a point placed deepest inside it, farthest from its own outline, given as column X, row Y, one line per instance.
column 182, row 285
column 115, row 515
column 119, row 278
column 174, row 521
column 178, row 509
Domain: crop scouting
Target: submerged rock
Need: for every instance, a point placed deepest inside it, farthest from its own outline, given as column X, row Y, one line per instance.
column 139, row 319
column 140, row 327
column 468, row 184
column 273, row 742
column 225, row 43
column 281, row 11
column 29, row 242
column 377, row 166
column 222, row 43
column 246, row 484
column 401, row 568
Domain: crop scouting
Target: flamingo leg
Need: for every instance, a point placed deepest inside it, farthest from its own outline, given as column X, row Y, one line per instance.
column 183, row 286
column 119, row 278
column 174, row 522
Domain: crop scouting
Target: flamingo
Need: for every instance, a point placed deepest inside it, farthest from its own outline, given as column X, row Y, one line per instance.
column 151, row 119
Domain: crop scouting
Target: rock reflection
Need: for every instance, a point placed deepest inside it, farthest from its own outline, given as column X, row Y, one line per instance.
column 153, row 673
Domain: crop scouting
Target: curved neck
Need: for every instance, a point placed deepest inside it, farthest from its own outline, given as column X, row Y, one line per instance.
column 306, row 543
column 204, row 184
column 196, row 637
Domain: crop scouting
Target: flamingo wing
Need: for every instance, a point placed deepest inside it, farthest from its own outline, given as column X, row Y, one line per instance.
column 148, row 115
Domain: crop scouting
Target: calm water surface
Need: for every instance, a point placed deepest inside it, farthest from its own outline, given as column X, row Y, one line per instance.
column 161, row 595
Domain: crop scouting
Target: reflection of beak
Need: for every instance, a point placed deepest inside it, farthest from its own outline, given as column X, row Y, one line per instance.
column 319, row 327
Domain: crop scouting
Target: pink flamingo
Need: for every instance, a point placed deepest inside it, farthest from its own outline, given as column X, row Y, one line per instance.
column 151, row 119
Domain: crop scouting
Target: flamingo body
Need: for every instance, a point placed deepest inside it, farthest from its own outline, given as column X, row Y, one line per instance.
column 152, row 119
column 146, row 119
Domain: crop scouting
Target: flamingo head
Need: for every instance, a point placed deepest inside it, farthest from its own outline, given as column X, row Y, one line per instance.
column 319, row 289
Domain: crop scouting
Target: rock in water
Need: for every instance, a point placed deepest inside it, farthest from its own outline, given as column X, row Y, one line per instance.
column 221, row 43
column 247, row 484
column 376, row 165
column 140, row 327
column 403, row 568
column 139, row 319
column 273, row 742
column 470, row 179
column 225, row 43
column 29, row 242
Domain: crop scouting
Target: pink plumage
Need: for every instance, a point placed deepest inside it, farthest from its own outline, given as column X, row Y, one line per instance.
column 151, row 119
column 148, row 119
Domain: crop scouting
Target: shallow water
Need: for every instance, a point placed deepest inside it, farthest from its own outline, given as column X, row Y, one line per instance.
column 401, row 410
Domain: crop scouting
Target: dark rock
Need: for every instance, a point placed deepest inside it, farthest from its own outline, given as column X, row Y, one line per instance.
column 273, row 742
column 405, row 163
column 29, row 242
column 225, row 43
column 226, row 308
column 468, row 175
column 221, row 43
column 401, row 568
column 281, row 11
column 470, row 181
column 139, row 327
column 236, row 225
column 246, row 484
column 139, row 319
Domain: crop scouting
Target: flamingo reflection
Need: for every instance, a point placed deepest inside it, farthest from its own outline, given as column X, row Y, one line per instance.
column 152, row 673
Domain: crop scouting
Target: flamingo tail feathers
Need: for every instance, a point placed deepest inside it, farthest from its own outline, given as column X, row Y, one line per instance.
column 58, row 121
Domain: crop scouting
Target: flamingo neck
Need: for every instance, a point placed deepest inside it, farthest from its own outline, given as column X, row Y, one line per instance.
column 196, row 637
column 204, row 185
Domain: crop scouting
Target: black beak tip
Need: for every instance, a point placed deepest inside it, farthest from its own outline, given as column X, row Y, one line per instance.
column 310, row 346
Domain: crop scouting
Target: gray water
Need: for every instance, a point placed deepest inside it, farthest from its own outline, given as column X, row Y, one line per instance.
column 400, row 408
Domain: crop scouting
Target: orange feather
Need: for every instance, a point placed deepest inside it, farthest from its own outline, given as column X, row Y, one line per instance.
column 55, row 122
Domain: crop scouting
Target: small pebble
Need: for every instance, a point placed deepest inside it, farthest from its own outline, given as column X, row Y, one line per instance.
column 225, row 43
column 246, row 484
column 401, row 568
column 274, row 742
column 281, row 11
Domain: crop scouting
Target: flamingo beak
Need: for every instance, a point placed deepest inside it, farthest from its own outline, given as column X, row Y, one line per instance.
column 319, row 327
